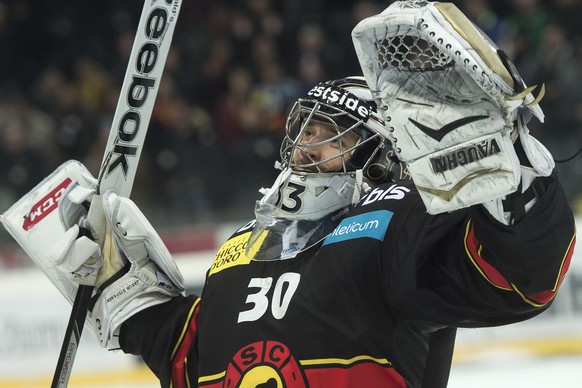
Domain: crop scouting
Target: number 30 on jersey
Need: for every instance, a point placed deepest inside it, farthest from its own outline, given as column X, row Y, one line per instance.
column 258, row 297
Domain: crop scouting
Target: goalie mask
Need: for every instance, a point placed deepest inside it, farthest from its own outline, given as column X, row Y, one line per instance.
column 331, row 150
column 453, row 103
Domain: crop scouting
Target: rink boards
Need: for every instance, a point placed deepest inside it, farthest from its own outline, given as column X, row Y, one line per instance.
column 33, row 317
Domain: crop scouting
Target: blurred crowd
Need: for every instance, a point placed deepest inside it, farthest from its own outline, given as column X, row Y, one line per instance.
column 234, row 70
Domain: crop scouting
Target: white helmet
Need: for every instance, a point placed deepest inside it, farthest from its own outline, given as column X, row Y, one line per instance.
column 346, row 105
column 305, row 202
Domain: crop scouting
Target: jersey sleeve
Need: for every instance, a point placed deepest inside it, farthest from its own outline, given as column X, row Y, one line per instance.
column 165, row 337
column 529, row 259
column 467, row 269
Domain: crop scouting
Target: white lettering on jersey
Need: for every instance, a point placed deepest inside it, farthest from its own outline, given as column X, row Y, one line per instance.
column 282, row 294
column 393, row 192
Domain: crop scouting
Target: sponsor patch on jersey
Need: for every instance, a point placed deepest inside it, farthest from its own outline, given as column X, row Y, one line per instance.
column 371, row 225
column 393, row 192
column 234, row 252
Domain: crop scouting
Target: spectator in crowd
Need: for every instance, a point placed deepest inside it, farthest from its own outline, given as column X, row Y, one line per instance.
column 59, row 60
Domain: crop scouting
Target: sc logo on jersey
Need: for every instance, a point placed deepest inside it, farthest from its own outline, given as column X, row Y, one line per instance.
column 267, row 364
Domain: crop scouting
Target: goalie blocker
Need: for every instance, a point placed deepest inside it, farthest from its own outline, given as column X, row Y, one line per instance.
column 73, row 245
column 456, row 107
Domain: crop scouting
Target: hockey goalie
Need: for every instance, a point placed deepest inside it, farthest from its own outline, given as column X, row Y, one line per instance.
column 351, row 274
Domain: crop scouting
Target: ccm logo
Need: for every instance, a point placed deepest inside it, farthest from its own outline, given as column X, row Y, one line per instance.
column 45, row 206
column 137, row 94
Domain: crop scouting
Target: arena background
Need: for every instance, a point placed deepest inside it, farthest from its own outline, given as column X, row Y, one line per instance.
column 543, row 352
column 234, row 69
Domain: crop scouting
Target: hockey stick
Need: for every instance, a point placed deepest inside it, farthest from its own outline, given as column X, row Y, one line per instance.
column 125, row 142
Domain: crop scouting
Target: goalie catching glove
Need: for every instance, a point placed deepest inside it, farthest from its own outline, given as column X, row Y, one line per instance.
column 453, row 103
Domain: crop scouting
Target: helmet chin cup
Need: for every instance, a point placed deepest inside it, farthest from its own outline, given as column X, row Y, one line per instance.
column 309, row 196
column 300, row 210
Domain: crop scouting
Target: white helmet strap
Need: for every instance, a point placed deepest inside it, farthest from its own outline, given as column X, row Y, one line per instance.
column 268, row 192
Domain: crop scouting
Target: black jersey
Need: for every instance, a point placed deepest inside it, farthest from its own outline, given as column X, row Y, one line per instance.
column 374, row 304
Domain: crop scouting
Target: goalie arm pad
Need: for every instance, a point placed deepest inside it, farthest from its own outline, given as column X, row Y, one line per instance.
column 149, row 278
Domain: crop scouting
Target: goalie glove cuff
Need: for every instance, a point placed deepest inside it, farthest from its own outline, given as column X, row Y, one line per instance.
column 150, row 275
column 128, row 292
column 516, row 205
column 511, row 208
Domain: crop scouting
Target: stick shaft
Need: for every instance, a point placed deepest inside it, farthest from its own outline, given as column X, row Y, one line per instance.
column 72, row 337
column 138, row 94
column 125, row 142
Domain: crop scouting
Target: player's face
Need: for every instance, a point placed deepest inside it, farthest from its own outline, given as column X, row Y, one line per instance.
column 315, row 146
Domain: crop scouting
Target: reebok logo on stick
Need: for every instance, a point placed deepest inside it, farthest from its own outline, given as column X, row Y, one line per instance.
column 138, row 97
